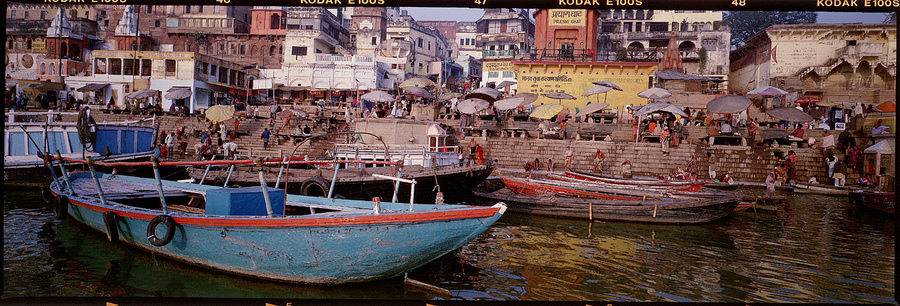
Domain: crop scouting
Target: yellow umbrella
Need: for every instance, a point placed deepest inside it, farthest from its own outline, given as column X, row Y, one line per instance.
column 546, row 111
column 219, row 113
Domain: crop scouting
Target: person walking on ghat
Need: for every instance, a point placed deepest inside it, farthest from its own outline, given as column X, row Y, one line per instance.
column 598, row 161
column 265, row 138
column 568, row 156
column 664, row 138
column 713, row 166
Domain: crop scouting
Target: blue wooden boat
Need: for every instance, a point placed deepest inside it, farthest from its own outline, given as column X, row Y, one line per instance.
column 27, row 135
column 267, row 234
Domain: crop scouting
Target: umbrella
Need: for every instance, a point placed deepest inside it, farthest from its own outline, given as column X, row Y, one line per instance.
column 654, row 93
column 176, row 93
column 505, row 84
column 590, row 108
column 515, row 101
column 608, row 84
column 546, row 111
column 418, row 91
column 659, row 107
column 449, row 96
column 377, row 96
column 286, row 114
column 888, row 106
column 790, row 114
column 807, row 100
column 768, row 91
column 484, row 93
column 595, row 90
column 219, row 113
column 728, row 104
column 140, row 94
column 472, row 105
column 417, row 82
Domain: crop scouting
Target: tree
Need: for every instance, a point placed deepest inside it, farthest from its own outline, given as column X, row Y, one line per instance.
column 745, row 24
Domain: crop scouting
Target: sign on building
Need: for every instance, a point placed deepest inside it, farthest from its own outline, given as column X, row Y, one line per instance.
column 567, row 18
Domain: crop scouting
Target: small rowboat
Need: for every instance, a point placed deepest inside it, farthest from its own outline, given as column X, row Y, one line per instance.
column 262, row 232
column 824, row 189
column 671, row 211
column 877, row 200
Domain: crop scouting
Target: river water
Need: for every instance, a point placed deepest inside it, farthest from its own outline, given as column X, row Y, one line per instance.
column 818, row 249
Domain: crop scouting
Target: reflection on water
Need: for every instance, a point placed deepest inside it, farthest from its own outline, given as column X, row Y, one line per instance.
column 817, row 249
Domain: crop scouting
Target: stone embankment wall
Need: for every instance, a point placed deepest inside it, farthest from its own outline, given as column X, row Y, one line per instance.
column 748, row 163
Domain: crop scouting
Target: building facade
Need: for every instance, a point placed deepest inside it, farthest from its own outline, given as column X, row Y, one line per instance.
column 643, row 35
column 836, row 63
column 503, row 35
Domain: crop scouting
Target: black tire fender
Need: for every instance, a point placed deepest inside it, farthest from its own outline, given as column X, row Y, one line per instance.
column 170, row 230
column 112, row 230
column 60, row 207
column 316, row 186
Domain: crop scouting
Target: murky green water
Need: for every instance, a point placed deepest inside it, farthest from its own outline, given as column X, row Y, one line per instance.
column 819, row 249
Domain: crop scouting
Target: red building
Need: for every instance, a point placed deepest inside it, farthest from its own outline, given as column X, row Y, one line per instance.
column 563, row 34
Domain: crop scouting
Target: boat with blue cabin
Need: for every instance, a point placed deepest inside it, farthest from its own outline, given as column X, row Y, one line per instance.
column 262, row 232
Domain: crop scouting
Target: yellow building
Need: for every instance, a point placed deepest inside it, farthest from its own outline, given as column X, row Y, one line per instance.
column 575, row 77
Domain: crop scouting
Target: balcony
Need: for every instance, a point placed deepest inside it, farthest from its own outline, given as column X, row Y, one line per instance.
column 861, row 50
column 608, row 55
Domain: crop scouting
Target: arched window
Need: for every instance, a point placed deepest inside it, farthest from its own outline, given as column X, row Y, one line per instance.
column 43, row 68
column 28, row 44
column 274, row 21
column 254, row 51
column 272, row 51
column 52, row 68
column 63, row 50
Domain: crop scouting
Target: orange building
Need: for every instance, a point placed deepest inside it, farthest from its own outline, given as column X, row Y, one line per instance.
column 565, row 34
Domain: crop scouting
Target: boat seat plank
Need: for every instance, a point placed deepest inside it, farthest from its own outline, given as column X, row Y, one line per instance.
column 187, row 209
column 119, row 190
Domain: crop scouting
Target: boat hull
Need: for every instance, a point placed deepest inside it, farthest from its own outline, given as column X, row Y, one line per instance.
column 880, row 201
column 674, row 212
column 823, row 189
column 313, row 248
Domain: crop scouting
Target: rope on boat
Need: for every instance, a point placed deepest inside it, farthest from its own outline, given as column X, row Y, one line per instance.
column 83, row 125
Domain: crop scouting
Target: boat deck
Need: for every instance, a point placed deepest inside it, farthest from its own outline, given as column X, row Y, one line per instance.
column 118, row 190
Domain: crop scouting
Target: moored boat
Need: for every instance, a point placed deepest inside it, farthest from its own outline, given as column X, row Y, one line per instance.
column 824, row 189
column 877, row 200
column 28, row 136
column 265, row 233
column 671, row 211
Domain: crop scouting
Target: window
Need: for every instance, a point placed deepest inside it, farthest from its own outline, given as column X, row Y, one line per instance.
column 512, row 27
column 145, row 67
column 156, row 23
column 129, row 66
column 115, row 66
column 199, row 9
column 429, row 45
column 509, row 74
column 12, row 14
column 420, row 42
column 494, row 26
column 298, row 51
column 374, row 41
column 43, row 15
column 187, row 9
column 493, row 74
column 74, row 14
column 462, row 41
column 99, row 66
column 212, row 70
column 170, row 66
column 243, row 48
column 26, row 15
column 43, row 68
column 10, row 44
